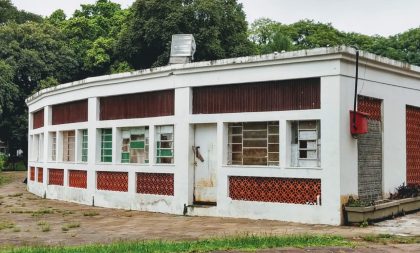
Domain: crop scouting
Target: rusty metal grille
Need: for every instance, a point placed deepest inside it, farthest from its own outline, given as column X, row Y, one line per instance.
column 78, row 178
column 372, row 106
column 38, row 119
column 271, row 189
column 139, row 105
column 299, row 94
column 40, row 175
column 32, row 173
column 72, row 112
column 112, row 181
column 155, row 183
column 413, row 145
column 56, row 176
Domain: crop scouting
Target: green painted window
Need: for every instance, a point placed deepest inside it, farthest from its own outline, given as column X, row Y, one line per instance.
column 106, row 145
column 84, row 145
column 135, row 145
column 165, row 144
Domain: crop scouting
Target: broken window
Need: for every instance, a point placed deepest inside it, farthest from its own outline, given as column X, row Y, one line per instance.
column 53, row 136
column 306, row 143
column 68, row 146
column 165, row 144
column 106, row 145
column 84, row 145
column 135, row 145
column 253, row 143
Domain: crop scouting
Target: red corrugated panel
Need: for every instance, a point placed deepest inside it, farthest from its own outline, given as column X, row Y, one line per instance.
column 139, row 105
column 372, row 106
column 78, row 178
column 272, row 189
column 112, row 181
column 38, row 119
column 56, row 177
column 72, row 112
column 155, row 183
column 413, row 145
column 40, row 175
column 32, row 173
column 299, row 94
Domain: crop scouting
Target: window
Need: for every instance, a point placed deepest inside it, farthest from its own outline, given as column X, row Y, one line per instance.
column 135, row 145
column 253, row 143
column 53, row 146
column 306, row 143
column 41, row 148
column 84, row 145
column 68, row 146
column 106, row 145
column 165, row 144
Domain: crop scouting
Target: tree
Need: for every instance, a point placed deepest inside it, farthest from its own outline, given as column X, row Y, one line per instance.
column 9, row 13
column 269, row 36
column 219, row 28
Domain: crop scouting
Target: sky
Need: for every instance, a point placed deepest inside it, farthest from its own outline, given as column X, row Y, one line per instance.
column 370, row 17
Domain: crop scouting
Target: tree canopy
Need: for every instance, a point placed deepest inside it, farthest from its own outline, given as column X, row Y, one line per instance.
column 103, row 38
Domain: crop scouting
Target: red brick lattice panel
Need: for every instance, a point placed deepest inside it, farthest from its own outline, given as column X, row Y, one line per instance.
column 78, row 178
column 38, row 119
column 271, row 189
column 372, row 106
column 32, row 173
column 112, row 181
column 413, row 145
column 155, row 183
column 40, row 175
column 56, row 177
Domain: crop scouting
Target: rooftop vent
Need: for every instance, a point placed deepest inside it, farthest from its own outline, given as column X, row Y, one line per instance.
column 182, row 49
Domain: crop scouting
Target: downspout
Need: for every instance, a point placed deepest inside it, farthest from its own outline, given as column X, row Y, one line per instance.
column 355, row 87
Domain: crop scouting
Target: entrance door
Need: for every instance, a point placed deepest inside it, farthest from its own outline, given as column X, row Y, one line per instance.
column 205, row 163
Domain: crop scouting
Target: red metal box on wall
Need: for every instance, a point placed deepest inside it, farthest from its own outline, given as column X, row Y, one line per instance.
column 360, row 126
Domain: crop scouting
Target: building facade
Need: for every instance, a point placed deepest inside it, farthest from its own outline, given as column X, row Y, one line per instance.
column 264, row 137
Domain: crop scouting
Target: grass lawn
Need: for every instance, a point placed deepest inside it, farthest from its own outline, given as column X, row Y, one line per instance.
column 248, row 242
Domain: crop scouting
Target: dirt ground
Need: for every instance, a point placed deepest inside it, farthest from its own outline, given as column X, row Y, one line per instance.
column 26, row 219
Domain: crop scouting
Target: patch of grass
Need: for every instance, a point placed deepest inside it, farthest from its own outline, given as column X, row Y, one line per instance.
column 69, row 226
column 15, row 195
column 42, row 212
column 16, row 230
column 90, row 213
column 5, row 224
column 391, row 239
column 41, row 223
column 248, row 242
column 45, row 226
column 5, row 178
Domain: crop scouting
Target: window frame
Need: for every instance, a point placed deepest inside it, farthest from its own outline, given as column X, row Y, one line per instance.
column 66, row 156
column 125, row 148
column 271, row 139
column 102, row 146
column 159, row 141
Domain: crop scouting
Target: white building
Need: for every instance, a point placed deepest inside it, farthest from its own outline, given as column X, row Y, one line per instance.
column 235, row 138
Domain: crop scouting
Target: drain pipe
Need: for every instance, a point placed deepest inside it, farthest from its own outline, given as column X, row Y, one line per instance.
column 355, row 86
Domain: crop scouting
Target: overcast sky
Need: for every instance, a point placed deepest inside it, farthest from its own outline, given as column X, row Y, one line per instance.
column 383, row 17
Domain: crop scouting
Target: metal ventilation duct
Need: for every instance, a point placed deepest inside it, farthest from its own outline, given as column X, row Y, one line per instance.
column 182, row 48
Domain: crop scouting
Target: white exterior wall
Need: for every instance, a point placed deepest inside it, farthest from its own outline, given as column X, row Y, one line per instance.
column 338, row 171
column 396, row 90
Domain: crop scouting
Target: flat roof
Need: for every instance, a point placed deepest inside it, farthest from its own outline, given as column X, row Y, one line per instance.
column 276, row 56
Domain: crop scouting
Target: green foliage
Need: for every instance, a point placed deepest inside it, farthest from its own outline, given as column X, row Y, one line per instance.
column 218, row 26
column 251, row 242
column 3, row 159
column 9, row 13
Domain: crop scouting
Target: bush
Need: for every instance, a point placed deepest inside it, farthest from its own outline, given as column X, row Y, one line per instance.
column 3, row 159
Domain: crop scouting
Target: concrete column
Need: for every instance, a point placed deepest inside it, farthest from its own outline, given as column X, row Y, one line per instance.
column 93, row 116
column 182, row 144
